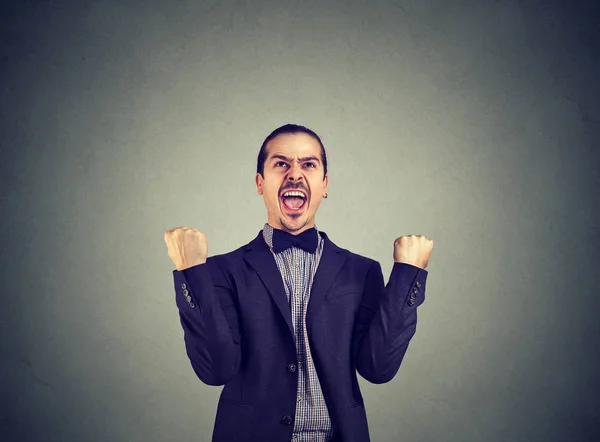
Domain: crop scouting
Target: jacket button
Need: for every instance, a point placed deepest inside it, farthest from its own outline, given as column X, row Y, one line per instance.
column 292, row 368
column 411, row 301
column 418, row 284
column 287, row 420
column 183, row 285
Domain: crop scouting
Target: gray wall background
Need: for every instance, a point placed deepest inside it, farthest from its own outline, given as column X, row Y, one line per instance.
column 476, row 123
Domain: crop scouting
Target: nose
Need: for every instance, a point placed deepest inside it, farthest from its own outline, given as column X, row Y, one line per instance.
column 294, row 173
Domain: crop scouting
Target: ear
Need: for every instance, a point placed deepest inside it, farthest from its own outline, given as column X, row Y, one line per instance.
column 259, row 183
column 325, row 182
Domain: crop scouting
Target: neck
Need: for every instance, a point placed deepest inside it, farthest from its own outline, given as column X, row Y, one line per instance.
column 298, row 231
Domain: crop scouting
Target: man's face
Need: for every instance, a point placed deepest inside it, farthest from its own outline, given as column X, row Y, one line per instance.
column 293, row 164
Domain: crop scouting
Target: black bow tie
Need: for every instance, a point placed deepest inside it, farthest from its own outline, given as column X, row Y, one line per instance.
column 307, row 240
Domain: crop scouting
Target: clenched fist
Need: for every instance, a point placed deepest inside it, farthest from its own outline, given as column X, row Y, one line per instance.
column 413, row 249
column 186, row 247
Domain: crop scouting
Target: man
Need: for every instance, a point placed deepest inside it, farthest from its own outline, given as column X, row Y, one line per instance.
column 286, row 321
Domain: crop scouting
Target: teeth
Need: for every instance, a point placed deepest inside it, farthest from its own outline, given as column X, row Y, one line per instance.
column 293, row 193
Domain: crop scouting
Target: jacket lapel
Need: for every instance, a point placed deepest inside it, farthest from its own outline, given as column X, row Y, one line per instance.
column 262, row 261
column 330, row 264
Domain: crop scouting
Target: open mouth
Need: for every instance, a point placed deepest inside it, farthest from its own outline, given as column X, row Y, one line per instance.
column 294, row 200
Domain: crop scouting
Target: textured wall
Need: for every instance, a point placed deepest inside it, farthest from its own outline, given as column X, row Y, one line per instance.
column 476, row 123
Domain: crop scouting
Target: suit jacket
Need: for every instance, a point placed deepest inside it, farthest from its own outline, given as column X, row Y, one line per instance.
column 238, row 333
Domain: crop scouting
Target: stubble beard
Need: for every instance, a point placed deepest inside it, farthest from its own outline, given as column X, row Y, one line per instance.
column 292, row 228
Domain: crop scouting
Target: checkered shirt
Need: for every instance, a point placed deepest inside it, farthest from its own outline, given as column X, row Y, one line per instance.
column 298, row 268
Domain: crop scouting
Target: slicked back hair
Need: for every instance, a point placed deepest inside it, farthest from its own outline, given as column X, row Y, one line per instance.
column 288, row 129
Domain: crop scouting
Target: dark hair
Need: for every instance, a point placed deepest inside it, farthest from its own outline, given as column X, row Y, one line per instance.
column 288, row 129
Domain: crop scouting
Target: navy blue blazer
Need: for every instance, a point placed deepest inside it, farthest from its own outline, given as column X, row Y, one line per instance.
column 238, row 333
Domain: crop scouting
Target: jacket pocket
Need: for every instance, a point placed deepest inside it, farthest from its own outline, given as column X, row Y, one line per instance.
column 235, row 404
column 344, row 291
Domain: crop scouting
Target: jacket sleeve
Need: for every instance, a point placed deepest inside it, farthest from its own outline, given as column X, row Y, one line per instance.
column 210, row 321
column 387, row 320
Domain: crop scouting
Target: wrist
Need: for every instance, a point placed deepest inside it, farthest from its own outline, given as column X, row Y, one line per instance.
column 191, row 264
column 412, row 263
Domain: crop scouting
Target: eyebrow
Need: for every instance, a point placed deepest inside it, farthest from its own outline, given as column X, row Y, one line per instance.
column 303, row 160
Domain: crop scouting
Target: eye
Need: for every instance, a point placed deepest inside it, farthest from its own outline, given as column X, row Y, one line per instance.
column 280, row 162
column 310, row 164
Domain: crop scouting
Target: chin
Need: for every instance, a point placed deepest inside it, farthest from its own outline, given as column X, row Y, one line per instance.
column 293, row 223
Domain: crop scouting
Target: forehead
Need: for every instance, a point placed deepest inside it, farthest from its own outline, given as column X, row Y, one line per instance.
column 294, row 145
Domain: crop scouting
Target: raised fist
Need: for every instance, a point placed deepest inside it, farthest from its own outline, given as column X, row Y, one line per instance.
column 413, row 249
column 186, row 247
